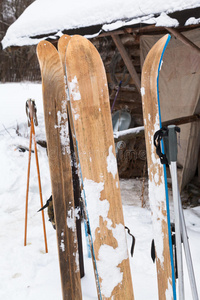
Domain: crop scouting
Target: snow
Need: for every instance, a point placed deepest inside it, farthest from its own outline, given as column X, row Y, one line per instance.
column 27, row 273
column 111, row 15
column 135, row 130
column 192, row 21
column 165, row 20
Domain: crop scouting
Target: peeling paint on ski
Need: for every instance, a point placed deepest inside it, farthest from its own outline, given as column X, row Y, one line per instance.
column 56, row 125
column 157, row 188
column 96, row 151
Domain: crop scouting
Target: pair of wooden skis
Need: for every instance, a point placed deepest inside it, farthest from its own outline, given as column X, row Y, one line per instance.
column 75, row 91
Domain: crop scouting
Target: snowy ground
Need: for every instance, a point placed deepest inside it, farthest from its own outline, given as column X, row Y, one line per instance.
column 27, row 273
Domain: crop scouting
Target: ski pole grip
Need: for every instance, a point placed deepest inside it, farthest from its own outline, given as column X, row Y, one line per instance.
column 172, row 143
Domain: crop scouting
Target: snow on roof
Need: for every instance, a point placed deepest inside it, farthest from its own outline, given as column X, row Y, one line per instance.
column 49, row 18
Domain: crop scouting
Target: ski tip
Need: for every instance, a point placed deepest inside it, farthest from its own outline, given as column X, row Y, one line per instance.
column 63, row 41
column 44, row 45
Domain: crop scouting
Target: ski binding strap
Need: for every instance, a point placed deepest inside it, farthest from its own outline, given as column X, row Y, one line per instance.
column 163, row 134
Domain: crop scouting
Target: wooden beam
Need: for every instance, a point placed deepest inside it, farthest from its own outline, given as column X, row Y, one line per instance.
column 139, row 131
column 182, row 120
column 184, row 40
column 127, row 61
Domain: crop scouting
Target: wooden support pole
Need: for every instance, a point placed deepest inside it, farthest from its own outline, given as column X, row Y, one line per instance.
column 183, row 39
column 127, row 61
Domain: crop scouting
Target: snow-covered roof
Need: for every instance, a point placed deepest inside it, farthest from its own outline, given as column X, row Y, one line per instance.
column 51, row 18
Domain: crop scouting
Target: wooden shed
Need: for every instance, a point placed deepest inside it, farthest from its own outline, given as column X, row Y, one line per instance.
column 123, row 38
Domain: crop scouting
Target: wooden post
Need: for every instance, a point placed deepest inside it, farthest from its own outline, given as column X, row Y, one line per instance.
column 127, row 61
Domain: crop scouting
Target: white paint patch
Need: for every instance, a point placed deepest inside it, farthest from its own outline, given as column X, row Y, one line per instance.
column 96, row 208
column 161, row 65
column 111, row 163
column 77, row 262
column 142, row 90
column 117, row 184
column 62, row 124
column 109, row 260
column 169, row 291
column 71, row 219
column 75, row 114
column 157, row 197
column 74, row 89
column 62, row 245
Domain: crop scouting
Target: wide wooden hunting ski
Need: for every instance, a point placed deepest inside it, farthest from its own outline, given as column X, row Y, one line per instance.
column 58, row 146
column 92, row 125
column 157, row 173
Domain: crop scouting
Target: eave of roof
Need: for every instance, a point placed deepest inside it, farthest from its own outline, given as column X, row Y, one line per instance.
column 174, row 19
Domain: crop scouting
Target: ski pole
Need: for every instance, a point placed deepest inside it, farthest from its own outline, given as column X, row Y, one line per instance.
column 165, row 159
column 188, row 256
column 39, row 183
column 172, row 143
column 32, row 115
column 27, row 188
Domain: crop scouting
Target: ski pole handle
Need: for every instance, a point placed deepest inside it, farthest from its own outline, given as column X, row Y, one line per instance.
column 172, row 140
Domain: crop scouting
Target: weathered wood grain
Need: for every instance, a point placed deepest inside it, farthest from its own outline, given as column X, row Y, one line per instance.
column 157, row 195
column 90, row 108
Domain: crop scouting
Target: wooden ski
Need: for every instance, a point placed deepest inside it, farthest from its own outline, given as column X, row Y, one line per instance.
column 58, row 146
column 157, row 174
column 91, row 120
column 62, row 46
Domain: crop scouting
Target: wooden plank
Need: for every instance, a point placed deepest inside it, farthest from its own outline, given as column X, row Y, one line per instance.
column 127, row 61
column 90, row 105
